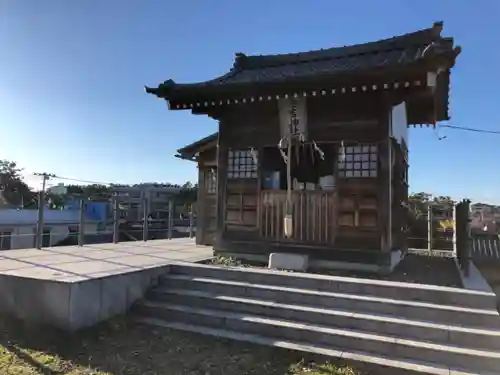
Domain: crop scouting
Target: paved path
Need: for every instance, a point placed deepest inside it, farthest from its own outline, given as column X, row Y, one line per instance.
column 74, row 263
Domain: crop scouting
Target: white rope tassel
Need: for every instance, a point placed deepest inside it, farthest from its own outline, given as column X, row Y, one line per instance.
column 282, row 145
column 283, row 155
column 319, row 151
column 342, row 152
column 253, row 152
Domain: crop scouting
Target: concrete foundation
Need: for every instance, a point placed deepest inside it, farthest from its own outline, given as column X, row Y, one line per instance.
column 490, row 270
column 74, row 305
column 71, row 287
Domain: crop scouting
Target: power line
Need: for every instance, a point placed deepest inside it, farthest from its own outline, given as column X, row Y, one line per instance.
column 57, row 177
column 45, row 177
column 84, row 181
column 463, row 128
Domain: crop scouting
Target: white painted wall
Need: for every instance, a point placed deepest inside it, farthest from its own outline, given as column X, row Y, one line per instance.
column 399, row 131
column 30, row 216
column 23, row 236
column 399, row 123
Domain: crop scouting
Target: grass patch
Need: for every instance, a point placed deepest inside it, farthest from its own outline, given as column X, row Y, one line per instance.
column 123, row 347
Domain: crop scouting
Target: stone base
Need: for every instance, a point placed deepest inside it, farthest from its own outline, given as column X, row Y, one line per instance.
column 285, row 261
column 71, row 306
column 72, row 287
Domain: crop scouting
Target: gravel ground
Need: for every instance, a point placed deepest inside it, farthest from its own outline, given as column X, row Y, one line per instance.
column 123, row 347
column 412, row 269
column 417, row 269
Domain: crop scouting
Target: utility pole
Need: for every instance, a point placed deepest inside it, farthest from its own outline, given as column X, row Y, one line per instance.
column 41, row 208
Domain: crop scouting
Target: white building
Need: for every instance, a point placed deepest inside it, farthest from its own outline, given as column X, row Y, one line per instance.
column 18, row 227
column 58, row 189
column 157, row 195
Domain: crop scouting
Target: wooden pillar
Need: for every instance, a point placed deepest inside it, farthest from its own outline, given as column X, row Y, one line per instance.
column 222, row 152
column 385, row 177
column 200, row 206
column 385, row 199
column 260, row 157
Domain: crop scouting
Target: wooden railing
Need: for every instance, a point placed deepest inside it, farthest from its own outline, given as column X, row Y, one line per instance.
column 314, row 216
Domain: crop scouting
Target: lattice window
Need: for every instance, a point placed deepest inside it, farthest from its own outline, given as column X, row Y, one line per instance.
column 360, row 161
column 211, row 181
column 242, row 164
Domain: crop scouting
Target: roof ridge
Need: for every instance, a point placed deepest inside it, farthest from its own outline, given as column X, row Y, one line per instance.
column 420, row 37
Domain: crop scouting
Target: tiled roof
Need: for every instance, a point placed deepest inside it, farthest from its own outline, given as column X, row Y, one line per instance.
column 188, row 151
column 269, row 69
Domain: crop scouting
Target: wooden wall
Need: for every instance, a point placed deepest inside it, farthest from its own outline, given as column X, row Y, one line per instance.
column 206, row 225
column 361, row 203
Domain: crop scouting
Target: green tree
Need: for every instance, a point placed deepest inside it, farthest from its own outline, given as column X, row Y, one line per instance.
column 92, row 192
column 55, row 201
column 14, row 190
column 187, row 195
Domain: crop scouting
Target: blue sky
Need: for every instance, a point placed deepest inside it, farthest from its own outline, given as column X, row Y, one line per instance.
column 72, row 76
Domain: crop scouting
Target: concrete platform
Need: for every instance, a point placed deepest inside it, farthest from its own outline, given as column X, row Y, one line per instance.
column 73, row 287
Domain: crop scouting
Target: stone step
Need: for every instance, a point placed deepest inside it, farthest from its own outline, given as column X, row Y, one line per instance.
column 414, row 310
column 378, row 345
column 385, row 364
column 367, row 322
column 359, row 286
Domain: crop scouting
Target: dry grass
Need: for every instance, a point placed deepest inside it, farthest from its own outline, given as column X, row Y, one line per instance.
column 122, row 347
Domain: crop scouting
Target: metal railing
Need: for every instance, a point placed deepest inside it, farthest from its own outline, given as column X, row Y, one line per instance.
column 432, row 234
column 448, row 235
column 115, row 229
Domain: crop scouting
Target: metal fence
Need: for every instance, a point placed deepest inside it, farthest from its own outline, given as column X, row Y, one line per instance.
column 485, row 247
column 116, row 228
column 433, row 232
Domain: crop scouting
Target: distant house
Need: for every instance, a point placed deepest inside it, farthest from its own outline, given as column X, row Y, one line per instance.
column 18, row 227
column 156, row 196
column 58, row 189
column 485, row 218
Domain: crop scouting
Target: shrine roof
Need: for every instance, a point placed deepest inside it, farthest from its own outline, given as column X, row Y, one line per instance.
column 189, row 151
column 397, row 51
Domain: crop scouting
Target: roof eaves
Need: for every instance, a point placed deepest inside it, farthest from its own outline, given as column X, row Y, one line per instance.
column 188, row 151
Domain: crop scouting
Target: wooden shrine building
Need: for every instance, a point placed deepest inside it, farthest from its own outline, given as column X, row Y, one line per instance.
column 318, row 137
